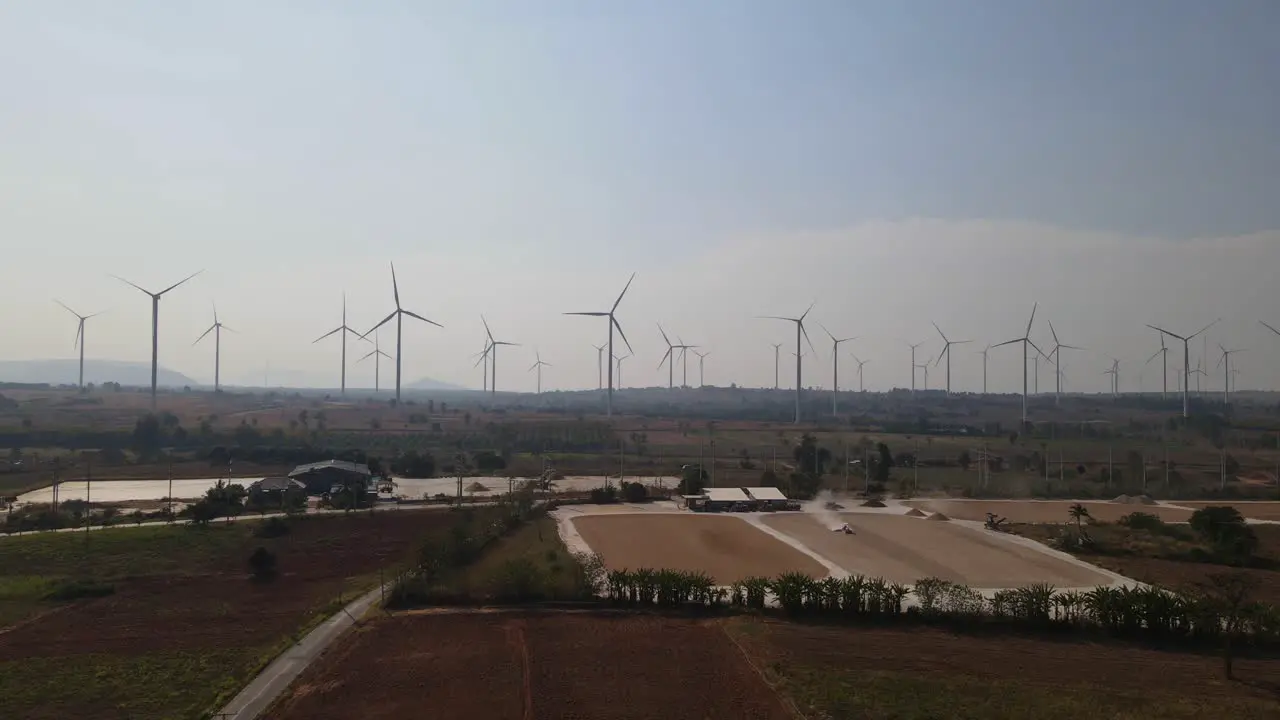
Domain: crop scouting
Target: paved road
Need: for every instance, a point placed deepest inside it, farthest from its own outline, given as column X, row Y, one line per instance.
column 276, row 677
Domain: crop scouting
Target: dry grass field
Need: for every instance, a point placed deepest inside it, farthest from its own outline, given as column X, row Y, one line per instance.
column 727, row 548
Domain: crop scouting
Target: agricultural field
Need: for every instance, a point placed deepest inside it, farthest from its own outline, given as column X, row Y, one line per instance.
column 906, row 549
column 725, row 547
column 518, row 665
column 167, row 621
column 1044, row 511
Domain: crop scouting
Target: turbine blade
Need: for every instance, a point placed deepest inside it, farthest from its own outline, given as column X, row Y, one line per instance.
column 228, row 329
column 504, row 342
column 828, row 332
column 624, row 292
column 944, row 336
column 775, row 317
column 1172, row 335
column 385, row 320
column 371, row 353
column 806, row 312
column 531, row 367
column 183, row 280
column 1055, row 334
column 1206, row 327
column 73, row 312
column 486, row 328
column 663, row 361
column 614, row 320
column 1032, row 320
column 1007, row 342
column 1265, row 325
column 665, row 339
column 335, row 330
column 805, row 332
column 1153, row 357
column 79, row 333
column 395, row 286
column 416, row 315
column 591, row 314
column 1033, row 344
column 206, row 332
column 130, row 282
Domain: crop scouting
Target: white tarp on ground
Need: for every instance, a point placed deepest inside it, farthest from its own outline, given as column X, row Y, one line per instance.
column 765, row 493
column 726, row 495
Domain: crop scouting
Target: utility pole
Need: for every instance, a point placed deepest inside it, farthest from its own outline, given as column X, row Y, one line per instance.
column 169, row 511
column 846, row 467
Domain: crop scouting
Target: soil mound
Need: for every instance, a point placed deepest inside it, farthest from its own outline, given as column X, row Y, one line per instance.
column 1134, row 500
column 873, row 503
column 939, row 517
column 915, row 512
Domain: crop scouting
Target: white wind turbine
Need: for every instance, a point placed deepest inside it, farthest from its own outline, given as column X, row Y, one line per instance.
column 1186, row 362
column 914, row 366
column 702, row 356
column 1056, row 355
column 861, row 363
column 216, row 328
column 79, row 342
column 538, row 365
column 599, row 366
column 670, row 358
column 613, row 323
column 493, row 354
column 377, row 354
column 155, row 325
column 925, row 367
column 835, row 367
column 399, row 314
column 1114, row 372
column 776, row 360
column 1026, row 341
column 946, row 350
column 984, row 353
column 800, row 330
column 1164, row 366
column 483, row 357
column 619, row 361
column 1225, row 363
column 344, row 330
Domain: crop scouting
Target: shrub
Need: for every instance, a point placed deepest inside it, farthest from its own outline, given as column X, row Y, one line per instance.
column 634, row 492
column 1144, row 521
column 262, row 564
column 77, row 589
column 1225, row 529
column 273, row 528
column 519, row 580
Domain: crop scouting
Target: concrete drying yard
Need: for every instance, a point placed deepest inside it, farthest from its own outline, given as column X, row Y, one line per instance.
column 905, row 549
column 1044, row 511
column 725, row 547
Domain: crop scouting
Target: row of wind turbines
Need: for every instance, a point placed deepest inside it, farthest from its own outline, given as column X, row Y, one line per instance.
column 677, row 351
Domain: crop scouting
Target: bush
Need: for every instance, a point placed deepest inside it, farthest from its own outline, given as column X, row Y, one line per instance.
column 1144, row 521
column 1225, row 528
column 273, row 528
column 634, row 492
column 77, row 589
column 262, row 564
column 519, row 580
column 604, row 495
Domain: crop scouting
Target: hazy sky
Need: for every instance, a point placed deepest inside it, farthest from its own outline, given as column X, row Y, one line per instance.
column 897, row 162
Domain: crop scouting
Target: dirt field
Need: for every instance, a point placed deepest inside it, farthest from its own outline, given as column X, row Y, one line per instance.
column 902, row 549
column 927, row 673
column 726, row 548
column 1043, row 511
column 527, row 666
column 200, row 624
column 1259, row 510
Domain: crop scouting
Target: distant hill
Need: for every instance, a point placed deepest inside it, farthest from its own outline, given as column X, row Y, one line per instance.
column 425, row 384
column 66, row 372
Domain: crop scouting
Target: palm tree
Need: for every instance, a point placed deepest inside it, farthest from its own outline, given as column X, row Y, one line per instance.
column 1079, row 513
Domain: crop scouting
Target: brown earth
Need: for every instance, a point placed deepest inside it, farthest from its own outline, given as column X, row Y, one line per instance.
column 218, row 606
column 903, row 550
column 727, row 548
column 526, row 666
column 1043, row 511
column 1257, row 510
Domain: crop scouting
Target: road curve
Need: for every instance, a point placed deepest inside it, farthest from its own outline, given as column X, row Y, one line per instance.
column 276, row 677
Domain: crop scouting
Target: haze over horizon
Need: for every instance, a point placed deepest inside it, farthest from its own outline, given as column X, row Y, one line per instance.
column 898, row 163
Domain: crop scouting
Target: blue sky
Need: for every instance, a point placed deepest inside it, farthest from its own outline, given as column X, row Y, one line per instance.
column 522, row 158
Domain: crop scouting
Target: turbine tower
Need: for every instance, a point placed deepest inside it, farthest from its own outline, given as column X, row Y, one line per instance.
column 925, row 367
column 483, row 357
column 1164, row 366
column 377, row 355
column 344, row 330
column 1025, row 340
column 669, row 358
column 613, row 323
column 913, row 365
column 1225, row 363
column 399, row 313
column 1114, row 372
column 984, row 353
column 1056, row 355
column 599, row 366
column 684, row 361
column 493, row 355
column 776, row 347
column 619, row 361
column 79, row 336
column 216, row 328
column 1186, row 362
column 155, row 325
column 799, row 331
column 701, row 377
column 835, row 367
column 861, row 388
column 946, row 350
column 538, row 365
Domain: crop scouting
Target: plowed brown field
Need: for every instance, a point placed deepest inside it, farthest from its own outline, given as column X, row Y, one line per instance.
column 725, row 547
column 521, row 666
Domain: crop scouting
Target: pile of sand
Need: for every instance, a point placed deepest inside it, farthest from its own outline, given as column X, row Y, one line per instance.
column 1134, row 500
column 915, row 512
column 938, row 516
column 873, row 503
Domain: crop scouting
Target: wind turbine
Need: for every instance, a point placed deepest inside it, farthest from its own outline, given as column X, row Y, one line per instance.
column 799, row 331
column 155, row 325
column 946, row 350
column 1199, row 372
column 619, row 361
column 493, row 355
column 701, row 357
column 344, row 330
column 216, row 328
column 925, row 366
column 684, row 361
column 983, row 353
column 399, row 314
column 483, row 357
column 1186, row 362
column 913, row 365
column 599, row 366
column 835, row 367
column 1056, row 355
column 1164, row 366
column 377, row 355
column 1114, row 372
column 776, row 347
column 669, row 358
column 860, row 364
column 79, row 336
column 1225, row 363
column 1272, row 329
column 613, row 323
column 1025, row 340
column 538, row 365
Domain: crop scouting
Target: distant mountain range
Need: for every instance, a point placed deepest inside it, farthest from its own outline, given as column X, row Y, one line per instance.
column 66, row 372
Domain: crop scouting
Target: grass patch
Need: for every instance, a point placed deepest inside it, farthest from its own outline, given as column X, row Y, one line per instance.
column 78, row 589
column 122, row 552
column 533, row 553
column 846, row 693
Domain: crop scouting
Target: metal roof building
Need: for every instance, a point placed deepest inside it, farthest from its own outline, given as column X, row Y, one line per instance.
column 766, row 494
column 726, row 495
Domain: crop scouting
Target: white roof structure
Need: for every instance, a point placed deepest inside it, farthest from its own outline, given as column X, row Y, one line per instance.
column 726, row 495
column 765, row 493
